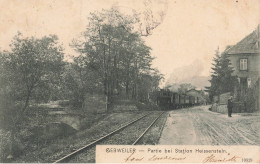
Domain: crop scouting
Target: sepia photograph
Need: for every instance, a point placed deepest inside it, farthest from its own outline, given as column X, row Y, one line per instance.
column 129, row 81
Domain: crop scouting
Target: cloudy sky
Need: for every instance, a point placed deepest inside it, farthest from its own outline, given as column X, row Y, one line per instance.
column 190, row 32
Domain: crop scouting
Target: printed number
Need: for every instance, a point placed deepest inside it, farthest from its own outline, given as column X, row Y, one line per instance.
column 247, row 160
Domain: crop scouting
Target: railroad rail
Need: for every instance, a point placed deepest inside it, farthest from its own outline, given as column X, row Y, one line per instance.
column 67, row 157
column 138, row 139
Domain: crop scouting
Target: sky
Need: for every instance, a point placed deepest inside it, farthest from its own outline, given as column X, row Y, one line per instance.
column 191, row 30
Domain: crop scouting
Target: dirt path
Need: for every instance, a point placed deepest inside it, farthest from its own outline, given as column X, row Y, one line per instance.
column 198, row 126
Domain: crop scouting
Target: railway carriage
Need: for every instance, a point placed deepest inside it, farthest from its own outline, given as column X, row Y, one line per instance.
column 187, row 101
column 192, row 100
column 175, row 100
column 182, row 100
column 172, row 100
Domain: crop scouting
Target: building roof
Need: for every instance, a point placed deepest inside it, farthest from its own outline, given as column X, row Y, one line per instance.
column 248, row 45
column 198, row 91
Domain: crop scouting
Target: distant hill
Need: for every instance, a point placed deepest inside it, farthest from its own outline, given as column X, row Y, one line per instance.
column 198, row 81
column 188, row 74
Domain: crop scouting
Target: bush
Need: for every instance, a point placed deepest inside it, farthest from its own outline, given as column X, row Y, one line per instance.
column 5, row 141
column 11, row 122
column 250, row 98
column 146, row 106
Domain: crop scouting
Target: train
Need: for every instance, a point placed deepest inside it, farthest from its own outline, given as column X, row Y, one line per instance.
column 167, row 99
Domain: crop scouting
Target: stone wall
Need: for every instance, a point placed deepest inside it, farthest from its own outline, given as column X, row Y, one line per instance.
column 118, row 108
column 120, row 104
column 220, row 108
column 223, row 98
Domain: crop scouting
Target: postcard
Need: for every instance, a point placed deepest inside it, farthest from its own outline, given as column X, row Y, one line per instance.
column 129, row 81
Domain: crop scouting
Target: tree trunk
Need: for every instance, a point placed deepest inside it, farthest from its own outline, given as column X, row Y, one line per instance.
column 127, row 88
column 127, row 78
column 29, row 91
column 108, row 69
column 105, row 71
column 135, row 81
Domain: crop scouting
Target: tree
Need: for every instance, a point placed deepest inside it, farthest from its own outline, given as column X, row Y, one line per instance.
column 80, row 78
column 146, row 84
column 31, row 63
column 105, row 38
column 30, row 66
column 116, row 52
column 221, row 79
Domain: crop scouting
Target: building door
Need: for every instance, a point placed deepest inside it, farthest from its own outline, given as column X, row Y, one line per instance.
column 243, row 86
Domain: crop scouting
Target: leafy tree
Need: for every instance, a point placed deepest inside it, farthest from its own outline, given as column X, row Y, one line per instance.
column 79, row 79
column 26, row 70
column 147, row 83
column 31, row 63
column 112, row 49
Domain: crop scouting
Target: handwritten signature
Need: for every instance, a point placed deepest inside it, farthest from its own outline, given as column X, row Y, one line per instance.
column 213, row 158
column 132, row 158
column 158, row 158
column 209, row 159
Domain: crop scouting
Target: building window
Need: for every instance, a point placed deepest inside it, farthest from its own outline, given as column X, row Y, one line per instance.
column 243, row 64
column 249, row 82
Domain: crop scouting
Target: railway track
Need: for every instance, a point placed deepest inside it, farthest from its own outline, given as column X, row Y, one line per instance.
column 92, row 144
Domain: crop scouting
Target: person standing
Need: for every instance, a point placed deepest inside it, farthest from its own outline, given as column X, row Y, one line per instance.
column 230, row 106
